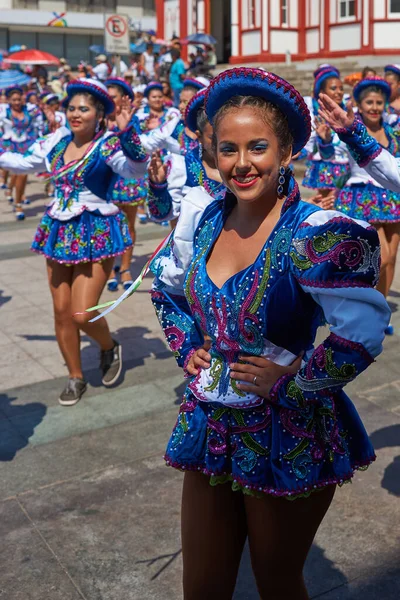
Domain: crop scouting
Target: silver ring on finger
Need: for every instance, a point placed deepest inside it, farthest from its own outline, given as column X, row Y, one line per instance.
column 255, row 380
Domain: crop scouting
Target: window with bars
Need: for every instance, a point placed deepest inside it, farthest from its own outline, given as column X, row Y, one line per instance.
column 394, row 6
column 284, row 12
column 91, row 5
column 27, row 4
column 252, row 13
column 347, row 8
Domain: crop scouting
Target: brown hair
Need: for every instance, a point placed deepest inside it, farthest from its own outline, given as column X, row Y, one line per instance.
column 367, row 70
column 270, row 114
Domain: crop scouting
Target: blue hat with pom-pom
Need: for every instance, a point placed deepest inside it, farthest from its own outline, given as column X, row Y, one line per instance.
column 244, row 81
column 371, row 81
column 192, row 110
column 153, row 85
column 122, row 84
column 93, row 87
column 392, row 69
column 322, row 75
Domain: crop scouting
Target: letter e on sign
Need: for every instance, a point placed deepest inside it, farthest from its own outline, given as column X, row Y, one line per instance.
column 116, row 34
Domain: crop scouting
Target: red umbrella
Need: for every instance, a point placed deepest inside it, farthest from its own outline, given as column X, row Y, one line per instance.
column 32, row 57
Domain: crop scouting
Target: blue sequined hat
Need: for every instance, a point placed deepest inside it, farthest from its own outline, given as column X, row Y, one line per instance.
column 153, row 85
column 93, row 87
column 393, row 69
column 198, row 83
column 122, row 84
column 371, row 81
column 324, row 67
column 193, row 108
column 14, row 88
column 30, row 94
column 322, row 75
column 243, row 81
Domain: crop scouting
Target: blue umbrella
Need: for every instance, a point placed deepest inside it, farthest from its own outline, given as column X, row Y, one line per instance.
column 16, row 48
column 201, row 38
column 10, row 78
column 140, row 48
column 98, row 49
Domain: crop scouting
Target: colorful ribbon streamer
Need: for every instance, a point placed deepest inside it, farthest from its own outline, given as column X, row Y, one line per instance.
column 109, row 306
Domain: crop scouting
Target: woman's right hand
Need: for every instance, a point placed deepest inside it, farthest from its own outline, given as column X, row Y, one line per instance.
column 334, row 115
column 200, row 359
column 323, row 130
column 157, row 169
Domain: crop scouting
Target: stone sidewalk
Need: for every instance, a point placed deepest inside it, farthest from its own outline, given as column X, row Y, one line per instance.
column 88, row 509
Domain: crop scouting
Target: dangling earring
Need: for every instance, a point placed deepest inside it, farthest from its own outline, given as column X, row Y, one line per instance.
column 97, row 127
column 200, row 150
column 281, row 181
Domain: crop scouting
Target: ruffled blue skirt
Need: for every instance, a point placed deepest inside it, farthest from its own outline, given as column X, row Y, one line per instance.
column 321, row 174
column 89, row 237
column 132, row 192
column 19, row 147
column 370, row 203
column 269, row 449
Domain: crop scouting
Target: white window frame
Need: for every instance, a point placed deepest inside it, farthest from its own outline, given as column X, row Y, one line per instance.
column 390, row 13
column 284, row 4
column 347, row 18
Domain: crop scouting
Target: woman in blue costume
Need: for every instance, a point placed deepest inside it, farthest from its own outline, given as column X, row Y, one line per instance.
column 322, row 174
column 171, row 181
column 128, row 194
column 155, row 113
column 82, row 230
column 392, row 76
column 19, row 126
column 264, row 417
column 363, row 197
column 185, row 138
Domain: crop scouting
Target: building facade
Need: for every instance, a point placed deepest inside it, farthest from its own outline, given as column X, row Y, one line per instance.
column 271, row 30
column 67, row 28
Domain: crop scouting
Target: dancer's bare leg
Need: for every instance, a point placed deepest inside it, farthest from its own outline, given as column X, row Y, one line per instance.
column 67, row 332
column 88, row 282
column 382, row 285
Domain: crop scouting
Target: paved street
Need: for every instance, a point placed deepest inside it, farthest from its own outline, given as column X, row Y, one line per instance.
column 88, row 509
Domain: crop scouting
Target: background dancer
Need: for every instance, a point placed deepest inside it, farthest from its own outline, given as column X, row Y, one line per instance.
column 81, row 231
column 255, row 423
column 20, row 128
column 363, row 197
column 326, row 176
column 171, row 181
column 127, row 194
column 392, row 76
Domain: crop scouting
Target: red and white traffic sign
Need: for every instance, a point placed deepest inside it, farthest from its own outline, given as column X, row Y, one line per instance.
column 116, row 34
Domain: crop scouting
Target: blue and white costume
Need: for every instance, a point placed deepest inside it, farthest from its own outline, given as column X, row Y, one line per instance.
column 18, row 134
column 81, row 224
column 315, row 266
column 323, row 173
column 184, row 172
column 363, row 197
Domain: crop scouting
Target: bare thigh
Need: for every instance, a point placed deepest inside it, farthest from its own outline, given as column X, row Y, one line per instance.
column 60, row 281
column 280, row 534
column 213, row 536
column 88, row 283
column 392, row 232
column 383, row 243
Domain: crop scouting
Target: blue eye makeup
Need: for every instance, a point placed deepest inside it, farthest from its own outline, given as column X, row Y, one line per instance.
column 226, row 148
column 260, row 146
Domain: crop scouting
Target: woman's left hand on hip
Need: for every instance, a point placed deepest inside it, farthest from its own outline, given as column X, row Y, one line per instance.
column 258, row 375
